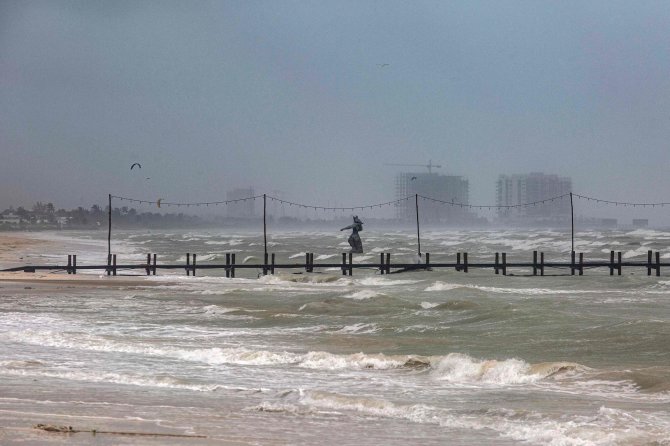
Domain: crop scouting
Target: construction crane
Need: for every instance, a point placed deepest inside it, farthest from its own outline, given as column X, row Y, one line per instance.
column 430, row 165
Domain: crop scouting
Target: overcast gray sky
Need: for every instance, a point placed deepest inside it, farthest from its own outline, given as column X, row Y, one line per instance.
column 292, row 96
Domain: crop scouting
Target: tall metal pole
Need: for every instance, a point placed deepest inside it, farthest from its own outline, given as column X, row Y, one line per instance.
column 572, row 215
column 418, row 237
column 109, row 227
column 265, row 233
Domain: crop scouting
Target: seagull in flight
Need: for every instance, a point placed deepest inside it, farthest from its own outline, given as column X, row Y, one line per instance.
column 382, row 65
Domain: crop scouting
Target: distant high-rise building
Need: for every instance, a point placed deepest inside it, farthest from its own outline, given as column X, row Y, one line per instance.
column 449, row 188
column 513, row 190
column 241, row 209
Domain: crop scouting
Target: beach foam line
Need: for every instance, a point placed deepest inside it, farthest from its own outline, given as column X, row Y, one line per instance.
column 604, row 426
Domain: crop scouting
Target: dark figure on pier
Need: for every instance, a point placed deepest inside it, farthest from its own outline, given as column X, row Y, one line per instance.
column 354, row 239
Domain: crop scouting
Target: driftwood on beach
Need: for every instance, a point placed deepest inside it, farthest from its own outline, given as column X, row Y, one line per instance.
column 71, row 430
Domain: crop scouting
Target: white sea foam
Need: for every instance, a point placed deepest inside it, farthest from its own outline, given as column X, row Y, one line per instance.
column 295, row 256
column 325, row 256
column 606, row 426
column 360, row 328
column 363, row 294
column 443, row 286
column 463, row 369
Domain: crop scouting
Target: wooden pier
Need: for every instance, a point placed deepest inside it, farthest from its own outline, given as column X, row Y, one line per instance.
column 500, row 265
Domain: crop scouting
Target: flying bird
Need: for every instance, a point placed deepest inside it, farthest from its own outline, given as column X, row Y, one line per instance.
column 412, row 179
column 382, row 65
column 135, row 164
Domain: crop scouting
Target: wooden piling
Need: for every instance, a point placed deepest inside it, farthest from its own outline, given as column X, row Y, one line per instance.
column 272, row 267
column 611, row 263
column 504, row 263
column 581, row 263
column 649, row 263
column 619, row 263
column 458, row 261
column 265, row 264
column 193, row 266
column 388, row 263
column 109, row 264
column 344, row 263
column 74, row 263
column 427, row 260
column 114, row 264
column 148, row 268
column 572, row 263
column 535, row 263
column 227, row 264
column 351, row 268
column 381, row 263
column 658, row 263
column 232, row 265
column 542, row 264
column 465, row 262
column 153, row 268
column 69, row 263
column 496, row 265
column 188, row 264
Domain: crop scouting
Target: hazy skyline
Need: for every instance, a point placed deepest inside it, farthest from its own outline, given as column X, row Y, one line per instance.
column 297, row 97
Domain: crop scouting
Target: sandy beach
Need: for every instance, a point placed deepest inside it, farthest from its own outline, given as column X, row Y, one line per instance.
column 14, row 247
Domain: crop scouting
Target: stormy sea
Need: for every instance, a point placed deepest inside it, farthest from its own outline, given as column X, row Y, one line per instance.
column 423, row 357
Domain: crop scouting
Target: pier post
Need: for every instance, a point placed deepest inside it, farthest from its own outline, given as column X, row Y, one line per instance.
column 114, row 264
column 272, row 267
column 649, row 263
column 581, row 263
column 109, row 264
column 458, row 261
column 504, row 263
column 306, row 262
column 188, row 264
column 74, row 263
column 658, row 263
column 496, row 264
column 572, row 262
column 351, row 268
column 148, row 268
column 619, row 263
column 381, row 263
column 193, row 266
column 465, row 262
column 418, row 233
column 69, row 263
column 388, row 263
column 153, row 269
column 535, row 263
column 232, row 265
column 265, row 263
column 611, row 263
column 344, row 263
column 227, row 264
column 109, row 227
column 542, row 264
column 427, row 260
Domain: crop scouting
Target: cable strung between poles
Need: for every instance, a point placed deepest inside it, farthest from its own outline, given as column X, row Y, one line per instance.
column 348, row 208
column 204, row 203
column 497, row 206
column 621, row 203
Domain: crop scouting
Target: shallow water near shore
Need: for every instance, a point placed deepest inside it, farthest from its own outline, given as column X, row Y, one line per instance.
column 429, row 357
